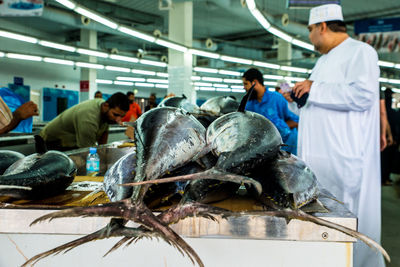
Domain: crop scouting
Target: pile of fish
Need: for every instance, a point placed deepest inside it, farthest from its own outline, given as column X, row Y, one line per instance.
column 35, row 176
column 237, row 149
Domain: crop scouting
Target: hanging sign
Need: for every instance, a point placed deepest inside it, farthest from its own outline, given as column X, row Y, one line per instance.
column 14, row 8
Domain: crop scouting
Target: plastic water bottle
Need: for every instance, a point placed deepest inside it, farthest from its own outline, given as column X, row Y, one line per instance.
column 92, row 161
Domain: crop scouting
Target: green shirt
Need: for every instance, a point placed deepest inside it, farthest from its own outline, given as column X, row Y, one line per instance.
column 78, row 126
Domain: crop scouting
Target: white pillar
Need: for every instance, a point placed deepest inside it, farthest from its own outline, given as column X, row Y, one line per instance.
column 284, row 52
column 89, row 41
column 180, row 30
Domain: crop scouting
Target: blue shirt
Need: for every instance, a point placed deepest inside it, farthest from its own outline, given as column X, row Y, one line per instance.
column 274, row 107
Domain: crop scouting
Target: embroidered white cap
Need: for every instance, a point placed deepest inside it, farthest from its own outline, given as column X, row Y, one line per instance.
column 325, row 13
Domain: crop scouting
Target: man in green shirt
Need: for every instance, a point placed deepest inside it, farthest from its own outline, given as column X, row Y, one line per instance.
column 85, row 123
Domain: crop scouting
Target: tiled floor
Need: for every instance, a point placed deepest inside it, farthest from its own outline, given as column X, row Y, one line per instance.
column 391, row 221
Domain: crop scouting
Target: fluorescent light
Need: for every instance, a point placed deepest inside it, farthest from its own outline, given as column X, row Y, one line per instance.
column 98, row 18
column 266, row 65
column 280, row 34
column 237, row 60
column 303, row 44
column 273, row 77
column 2, row 54
column 386, row 64
column 157, row 81
column 228, row 72
column 144, row 84
column 137, row 34
column 397, row 66
column 153, row 63
column 207, row 89
column 237, row 87
column 161, row 85
column 89, row 65
column 18, row 37
column 394, row 81
column 67, row 3
column 113, row 68
column 202, row 84
column 251, row 4
column 383, row 80
column 25, row 57
column 204, row 53
column 296, row 79
column 123, row 83
column 211, row 79
column 131, row 79
column 209, row 70
column 58, row 46
column 223, row 90
column 162, row 74
column 232, row 81
column 124, row 58
column 238, row 90
column 58, row 61
column 294, row 69
column 104, row 81
column 261, row 19
column 395, row 90
column 91, row 53
column 196, row 78
column 171, row 45
column 220, row 85
column 144, row 72
column 270, row 83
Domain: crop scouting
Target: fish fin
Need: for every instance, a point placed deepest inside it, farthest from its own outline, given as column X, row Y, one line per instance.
column 245, row 99
column 331, row 197
column 15, row 191
column 209, row 174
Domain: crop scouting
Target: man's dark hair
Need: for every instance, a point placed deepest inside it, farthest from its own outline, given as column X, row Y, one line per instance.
column 119, row 100
column 253, row 74
column 129, row 94
column 336, row 25
column 98, row 92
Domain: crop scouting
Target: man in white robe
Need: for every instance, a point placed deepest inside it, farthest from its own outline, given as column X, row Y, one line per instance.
column 339, row 125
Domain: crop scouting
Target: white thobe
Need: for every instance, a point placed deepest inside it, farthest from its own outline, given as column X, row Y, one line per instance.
column 339, row 136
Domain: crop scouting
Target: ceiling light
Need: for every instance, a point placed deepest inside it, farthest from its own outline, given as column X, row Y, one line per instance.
column 397, row 66
column 209, row 70
column 171, row 45
column 144, row 72
column 386, row 64
column 95, row 17
column 104, row 81
column 220, row 85
column 58, row 61
column 383, row 80
column 237, row 60
column 271, row 83
column 18, row 37
column 207, row 89
column 144, row 84
column 294, row 69
column 394, row 81
column 2, row 54
column 232, row 81
column 67, row 3
column 113, row 68
column 153, row 63
column 58, row 46
column 238, row 90
column 204, row 53
column 162, row 74
column 273, row 77
column 395, row 90
column 266, row 65
column 137, row 34
column 303, row 44
column 131, row 79
column 89, row 65
column 251, row 4
column 91, row 53
column 280, row 34
column 157, row 81
column 196, row 78
column 296, row 79
column 161, row 85
column 223, row 90
column 211, row 79
column 25, row 57
column 202, row 84
column 237, row 87
column 228, row 72
column 124, row 58
column 123, row 83
column 261, row 19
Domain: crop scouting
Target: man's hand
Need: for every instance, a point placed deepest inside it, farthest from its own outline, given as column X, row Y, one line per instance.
column 301, row 88
column 26, row 110
column 287, row 97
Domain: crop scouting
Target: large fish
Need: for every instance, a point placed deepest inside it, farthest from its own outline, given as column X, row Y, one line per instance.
column 8, row 157
column 45, row 174
column 220, row 105
column 179, row 102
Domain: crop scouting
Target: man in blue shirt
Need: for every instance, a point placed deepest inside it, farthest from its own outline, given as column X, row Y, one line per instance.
column 273, row 106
